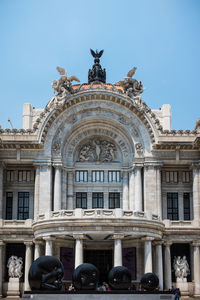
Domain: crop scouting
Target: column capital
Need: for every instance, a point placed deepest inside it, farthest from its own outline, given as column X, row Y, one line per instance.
column 38, row 242
column 57, row 165
column 42, row 163
column 196, row 243
column 2, row 243
column 195, row 165
column 138, row 166
column 147, row 239
column 118, row 236
column 48, row 238
column 158, row 243
column 168, row 243
column 28, row 243
column 78, row 236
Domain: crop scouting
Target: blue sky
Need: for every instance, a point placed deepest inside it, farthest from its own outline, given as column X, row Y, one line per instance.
column 160, row 37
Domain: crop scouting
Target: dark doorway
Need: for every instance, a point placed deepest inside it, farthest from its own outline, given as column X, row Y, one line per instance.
column 180, row 250
column 102, row 259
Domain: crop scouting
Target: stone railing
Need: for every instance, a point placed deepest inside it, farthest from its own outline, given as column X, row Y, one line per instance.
column 180, row 223
column 98, row 213
column 16, row 223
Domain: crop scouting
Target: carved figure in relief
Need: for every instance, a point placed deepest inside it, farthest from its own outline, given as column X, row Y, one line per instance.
column 97, row 150
column 15, row 266
column 63, row 86
column 181, row 267
column 132, row 87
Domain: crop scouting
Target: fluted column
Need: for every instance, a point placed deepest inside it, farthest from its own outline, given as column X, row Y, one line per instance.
column 28, row 262
column 70, row 190
column 48, row 245
column 138, row 188
column 167, row 266
column 57, row 188
column 196, row 257
column 148, row 254
column 125, row 190
column 118, row 249
column 131, row 190
column 196, row 192
column 159, row 263
column 36, row 192
column 78, row 249
column 37, row 252
column 1, row 267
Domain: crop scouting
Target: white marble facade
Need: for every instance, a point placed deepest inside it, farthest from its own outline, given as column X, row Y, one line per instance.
column 101, row 171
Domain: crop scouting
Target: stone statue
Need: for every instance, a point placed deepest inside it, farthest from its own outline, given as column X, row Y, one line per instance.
column 181, row 267
column 15, row 266
column 63, row 86
column 132, row 87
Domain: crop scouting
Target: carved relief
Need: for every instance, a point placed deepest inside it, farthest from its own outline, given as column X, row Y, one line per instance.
column 97, row 150
column 139, row 148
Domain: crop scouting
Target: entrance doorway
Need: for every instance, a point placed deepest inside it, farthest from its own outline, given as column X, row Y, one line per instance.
column 102, row 259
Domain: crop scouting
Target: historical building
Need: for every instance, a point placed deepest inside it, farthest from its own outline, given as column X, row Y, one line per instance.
column 98, row 176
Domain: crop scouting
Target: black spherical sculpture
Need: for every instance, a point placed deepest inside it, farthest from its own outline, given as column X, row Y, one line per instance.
column 149, row 282
column 85, row 277
column 119, row 278
column 46, row 273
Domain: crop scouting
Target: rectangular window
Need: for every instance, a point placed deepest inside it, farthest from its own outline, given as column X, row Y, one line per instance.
column 172, row 177
column 24, row 175
column 172, row 206
column 97, row 200
column 186, row 176
column 9, row 205
column 10, row 175
column 97, row 176
column 81, row 200
column 81, row 176
column 186, row 206
column 114, row 200
column 23, row 206
column 114, row 176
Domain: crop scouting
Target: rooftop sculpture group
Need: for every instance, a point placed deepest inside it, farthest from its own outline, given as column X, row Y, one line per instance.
column 132, row 87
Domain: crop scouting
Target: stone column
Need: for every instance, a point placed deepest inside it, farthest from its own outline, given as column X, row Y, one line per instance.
column 48, row 245
column 138, row 188
column 37, row 252
column 125, row 190
column 70, row 190
column 118, row 249
column 196, row 257
column 57, row 188
column 78, row 249
column 1, row 190
column 148, row 254
column 28, row 262
column 158, row 191
column 167, row 266
column 36, row 192
column 45, row 189
column 159, row 263
column 1, row 267
column 196, row 192
column 131, row 190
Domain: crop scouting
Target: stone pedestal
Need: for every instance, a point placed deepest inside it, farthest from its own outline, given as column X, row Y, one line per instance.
column 13, row 288
column 183, row 285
